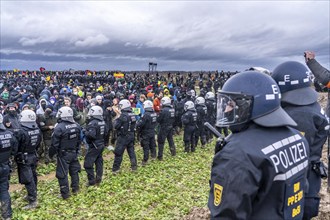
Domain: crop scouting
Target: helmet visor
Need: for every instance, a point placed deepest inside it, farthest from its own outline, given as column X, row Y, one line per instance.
column 233, row 109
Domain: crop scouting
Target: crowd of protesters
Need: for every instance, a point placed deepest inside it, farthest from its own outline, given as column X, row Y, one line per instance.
column 109, row 110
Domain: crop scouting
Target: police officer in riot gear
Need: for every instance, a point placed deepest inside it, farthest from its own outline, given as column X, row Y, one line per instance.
column 8, row 147
column 125, row 126
column 166, row 120
column 211, row 112
column 261, row 172
column 29, row 139
column 299, row 100
column 201, row 119
column 146, row 127
column 94, row 133
column 66, row 144
column 189, row 120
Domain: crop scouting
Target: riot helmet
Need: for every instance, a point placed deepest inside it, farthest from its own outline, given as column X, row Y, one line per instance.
column 28, row 119
column 148, row 105
column 125, row 105
column 251, row 96
column 209, row 96
column 294, row 81
column 65, row 114
column 189, row 105
column 165, row 101
column 200, row 101
column 95, row 112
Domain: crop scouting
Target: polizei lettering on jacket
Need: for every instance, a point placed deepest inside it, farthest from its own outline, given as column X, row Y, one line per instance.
column 288, row 155
column 71, row 126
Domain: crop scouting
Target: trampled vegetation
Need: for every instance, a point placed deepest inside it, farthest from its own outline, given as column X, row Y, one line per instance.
column 165, row 189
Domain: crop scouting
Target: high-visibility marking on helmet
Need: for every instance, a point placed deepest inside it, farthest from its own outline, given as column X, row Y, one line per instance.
column 294, row 82
column 270, row 96
column 306, row 79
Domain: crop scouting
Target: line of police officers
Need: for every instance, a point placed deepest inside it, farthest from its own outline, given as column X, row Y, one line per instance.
column 67, row 135
column 266, row 170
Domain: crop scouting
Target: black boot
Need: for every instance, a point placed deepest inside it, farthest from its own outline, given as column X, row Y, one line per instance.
column 173, row 151
column 186, row 148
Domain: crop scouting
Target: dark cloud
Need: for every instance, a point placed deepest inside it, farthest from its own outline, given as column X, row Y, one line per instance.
column 177, row 35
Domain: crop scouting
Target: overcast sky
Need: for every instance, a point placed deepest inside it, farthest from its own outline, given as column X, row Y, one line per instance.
column 184, row 35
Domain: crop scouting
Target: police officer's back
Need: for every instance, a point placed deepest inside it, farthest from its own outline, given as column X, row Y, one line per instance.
column 261, row 172
column 125, row 127
column 66, row 144
column 29, row 139
column 201, row 119
column 189, row 120
column 8, row 148
column 146, row 126
column 166, row 119
column 299, row 100
column 95, row 132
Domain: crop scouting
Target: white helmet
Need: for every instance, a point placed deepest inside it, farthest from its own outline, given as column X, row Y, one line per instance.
column 200, row 101
column 28, row 118
column 95, row 112
column 148, row 104
column 209, row 95
column 125, row 104
column 189, row 105
column 1, row 123
column 65, row 113
column 166, row 101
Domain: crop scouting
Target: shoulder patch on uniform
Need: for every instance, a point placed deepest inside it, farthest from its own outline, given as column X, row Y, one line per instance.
column 217, row 194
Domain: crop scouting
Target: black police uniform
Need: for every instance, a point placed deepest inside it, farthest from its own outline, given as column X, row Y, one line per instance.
column 125, row 126
column 8, row 147
column 95, row 132
column 211, row 116
column 29, row 140
column 65, row 143
column 189, row 120
column 260, row 174
column 166, row 120
column 201, row 119
column 313, row 123
column 146, row 127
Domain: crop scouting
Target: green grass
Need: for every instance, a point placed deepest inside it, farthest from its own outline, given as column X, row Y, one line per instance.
column 161, row 190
